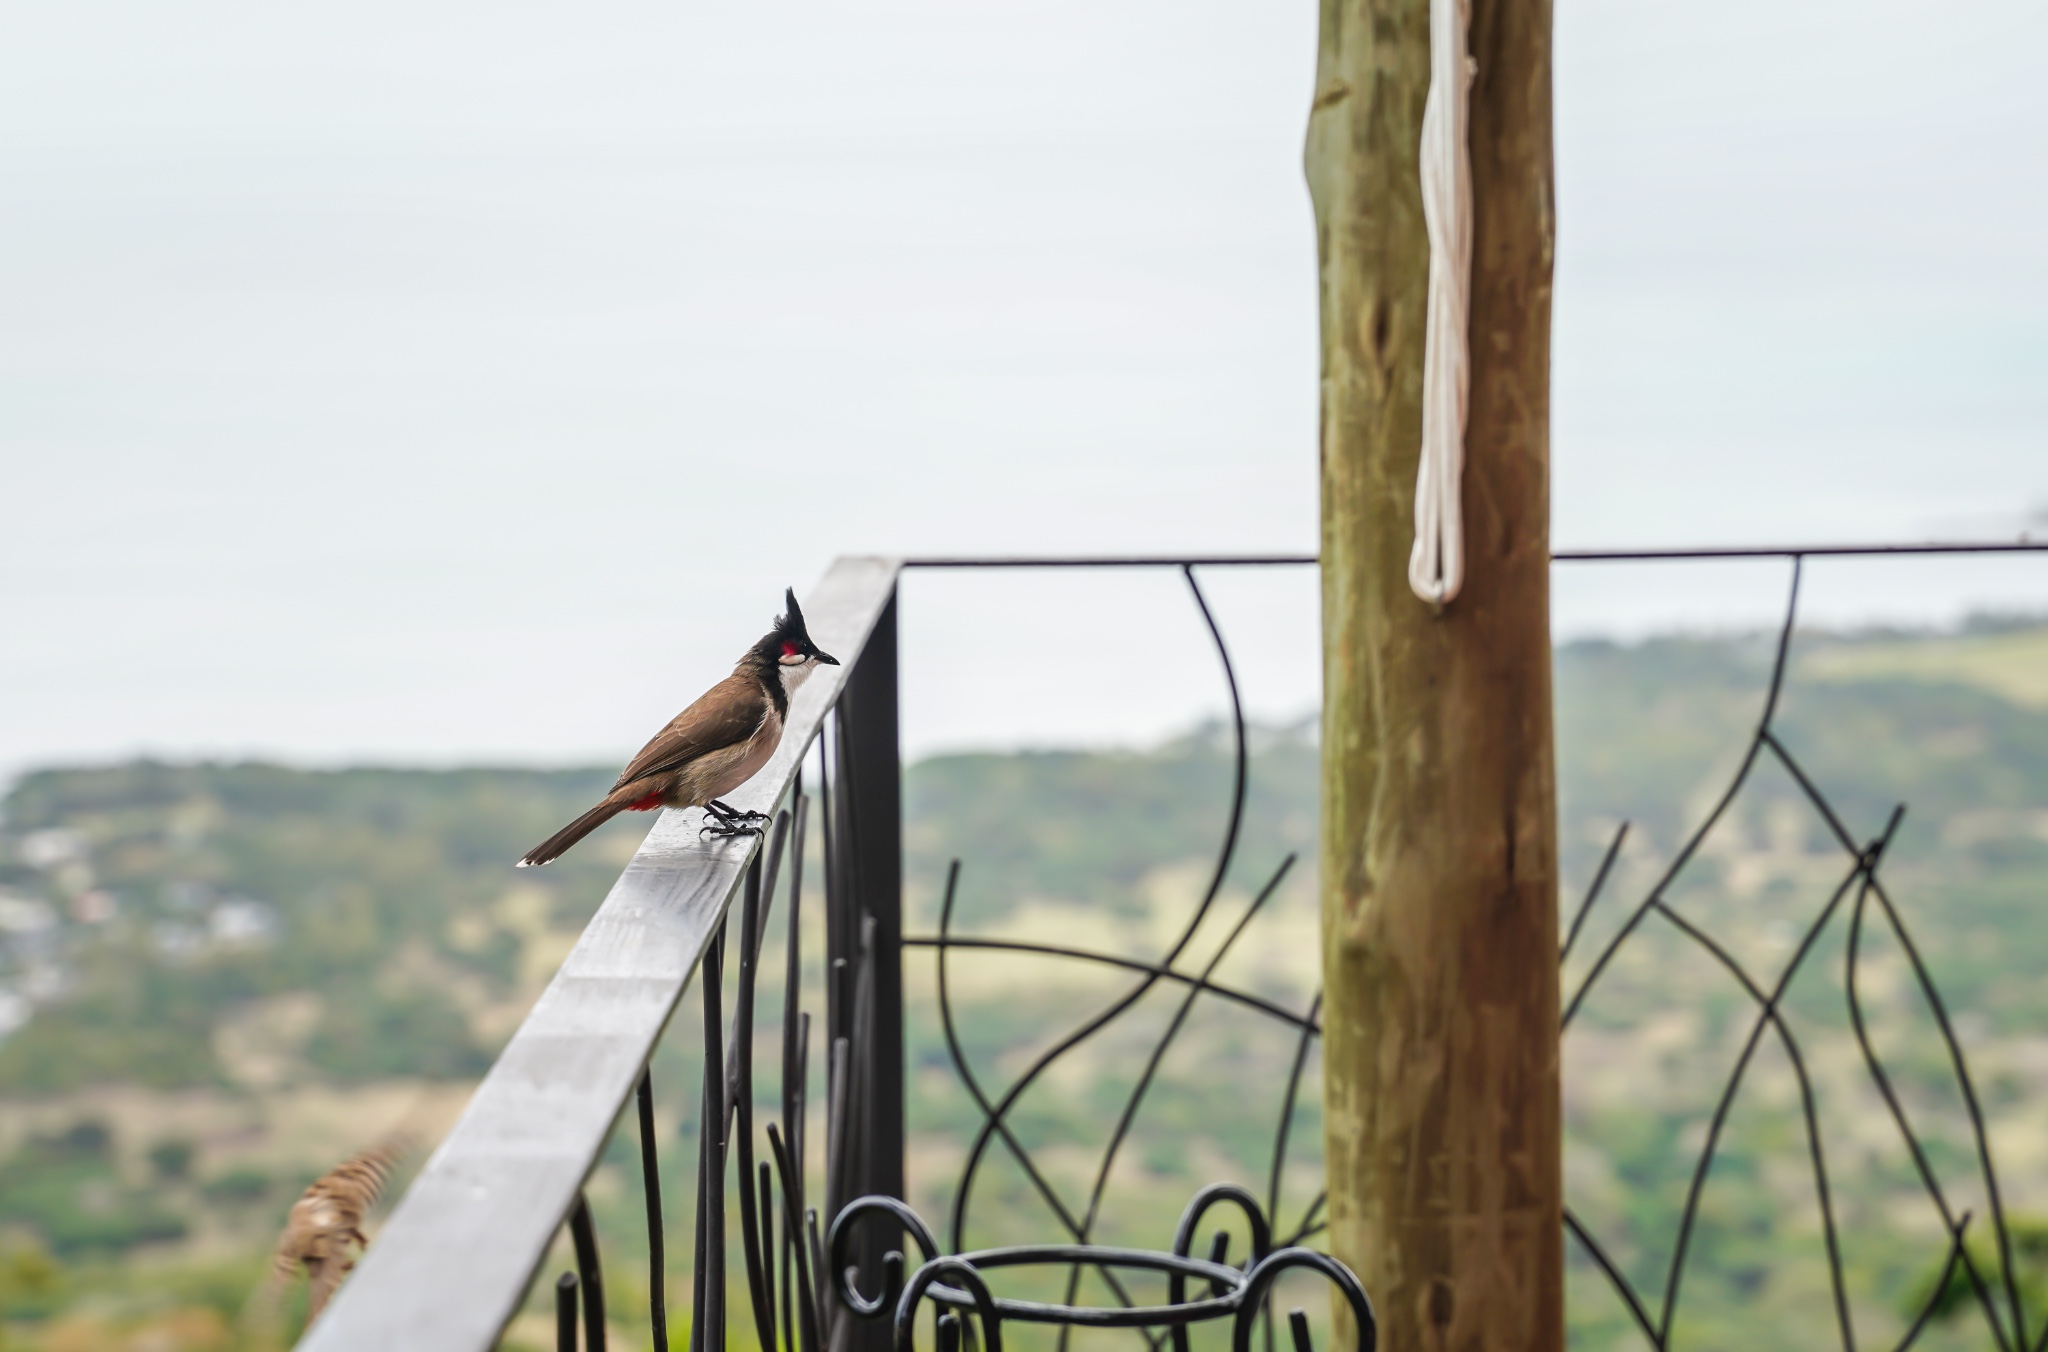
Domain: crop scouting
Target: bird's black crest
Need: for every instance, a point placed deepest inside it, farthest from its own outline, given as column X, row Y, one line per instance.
column 790, row 623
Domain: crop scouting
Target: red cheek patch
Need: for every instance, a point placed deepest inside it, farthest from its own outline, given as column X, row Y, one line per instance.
column 789, row 650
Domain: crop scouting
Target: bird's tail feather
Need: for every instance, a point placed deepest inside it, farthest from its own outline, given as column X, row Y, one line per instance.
column 558, row 843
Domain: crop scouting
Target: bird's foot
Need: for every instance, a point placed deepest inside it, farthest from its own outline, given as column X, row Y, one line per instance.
column 722, row 822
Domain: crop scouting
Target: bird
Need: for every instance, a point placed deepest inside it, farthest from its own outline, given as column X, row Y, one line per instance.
column 715, row 745
column 327, row 1221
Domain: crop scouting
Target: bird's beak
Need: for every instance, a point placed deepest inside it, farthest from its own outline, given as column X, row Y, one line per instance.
column 827, row 658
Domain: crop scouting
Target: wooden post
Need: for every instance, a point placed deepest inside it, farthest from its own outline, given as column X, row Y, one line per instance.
column 1439, row 856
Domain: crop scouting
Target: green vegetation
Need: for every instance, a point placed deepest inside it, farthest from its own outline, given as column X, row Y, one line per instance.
column 210, row 888
column 235, row 974
column 66, row 1189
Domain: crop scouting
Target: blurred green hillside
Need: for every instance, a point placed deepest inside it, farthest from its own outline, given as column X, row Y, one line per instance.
column 154, row 903
column 217, row 980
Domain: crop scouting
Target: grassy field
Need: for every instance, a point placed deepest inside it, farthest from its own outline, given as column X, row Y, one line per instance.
column 2011, row 663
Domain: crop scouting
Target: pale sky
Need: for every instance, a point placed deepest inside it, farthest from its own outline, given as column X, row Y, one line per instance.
column 432, row 381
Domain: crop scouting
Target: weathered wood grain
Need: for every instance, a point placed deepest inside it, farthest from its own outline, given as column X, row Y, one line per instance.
column 1439, row 853
column 450, row 1267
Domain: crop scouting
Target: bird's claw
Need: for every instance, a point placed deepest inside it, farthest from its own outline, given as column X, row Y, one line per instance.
column 722, row 822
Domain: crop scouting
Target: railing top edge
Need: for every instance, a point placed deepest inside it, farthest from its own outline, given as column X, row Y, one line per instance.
column 1674, row 554
column 939, row 561
column 1867, row 551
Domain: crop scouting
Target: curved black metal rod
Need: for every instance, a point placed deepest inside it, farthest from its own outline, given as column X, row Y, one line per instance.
column 837, row 1071
column 995, row 1115
column 1184, row 1240
column 844, row 1276
column 1955, row 1251
column 1592, row 892
column 1268, row 1271
column 1980, row 1133
column 1166, row 1040
column 972, row 1083
column 2015, row 1305
column 1615, row 1279
column 778, row 842
column 851, row 991
column 1309, row 1224
column 757, row 899
column 707, row 1308
column 831, row 844
column 584, row 1236
column 1198, row 1207
column 792, row 957
column 1280, row 1136
column 650, row 1186
column 1852, row 955
column 1307, row 1023
column 1814, row 796
column 968, row 1079
column 1768, row 1017
column 796, row 1039
column 1151, row 1070
column 1217, row 1275
column 953, row 1269
column 757, row 905
column 565, row 1312
column 1102, row 1019
column 764, row 1178
column 765, row 1200
column 1692, row 844
column 755, row 1178
column 793, row 1224
column 700, row 1245
column 817, row 1251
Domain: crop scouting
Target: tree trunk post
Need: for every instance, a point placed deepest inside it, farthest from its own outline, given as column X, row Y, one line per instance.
column 1439, row 849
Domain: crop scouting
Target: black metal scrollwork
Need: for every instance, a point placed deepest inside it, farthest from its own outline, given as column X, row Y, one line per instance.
column 958, row 1283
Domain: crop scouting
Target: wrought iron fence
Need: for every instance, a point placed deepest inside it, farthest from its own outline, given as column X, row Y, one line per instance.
column 456, row 1259
column 1861, row 896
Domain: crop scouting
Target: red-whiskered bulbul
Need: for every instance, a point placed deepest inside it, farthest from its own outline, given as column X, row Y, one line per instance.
column 715, row 745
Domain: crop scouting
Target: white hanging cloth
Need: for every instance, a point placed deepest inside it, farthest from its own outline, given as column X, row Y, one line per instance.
column 1436, row 565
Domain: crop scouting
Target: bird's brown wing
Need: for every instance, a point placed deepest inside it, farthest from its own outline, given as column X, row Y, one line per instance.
column 725, row 714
